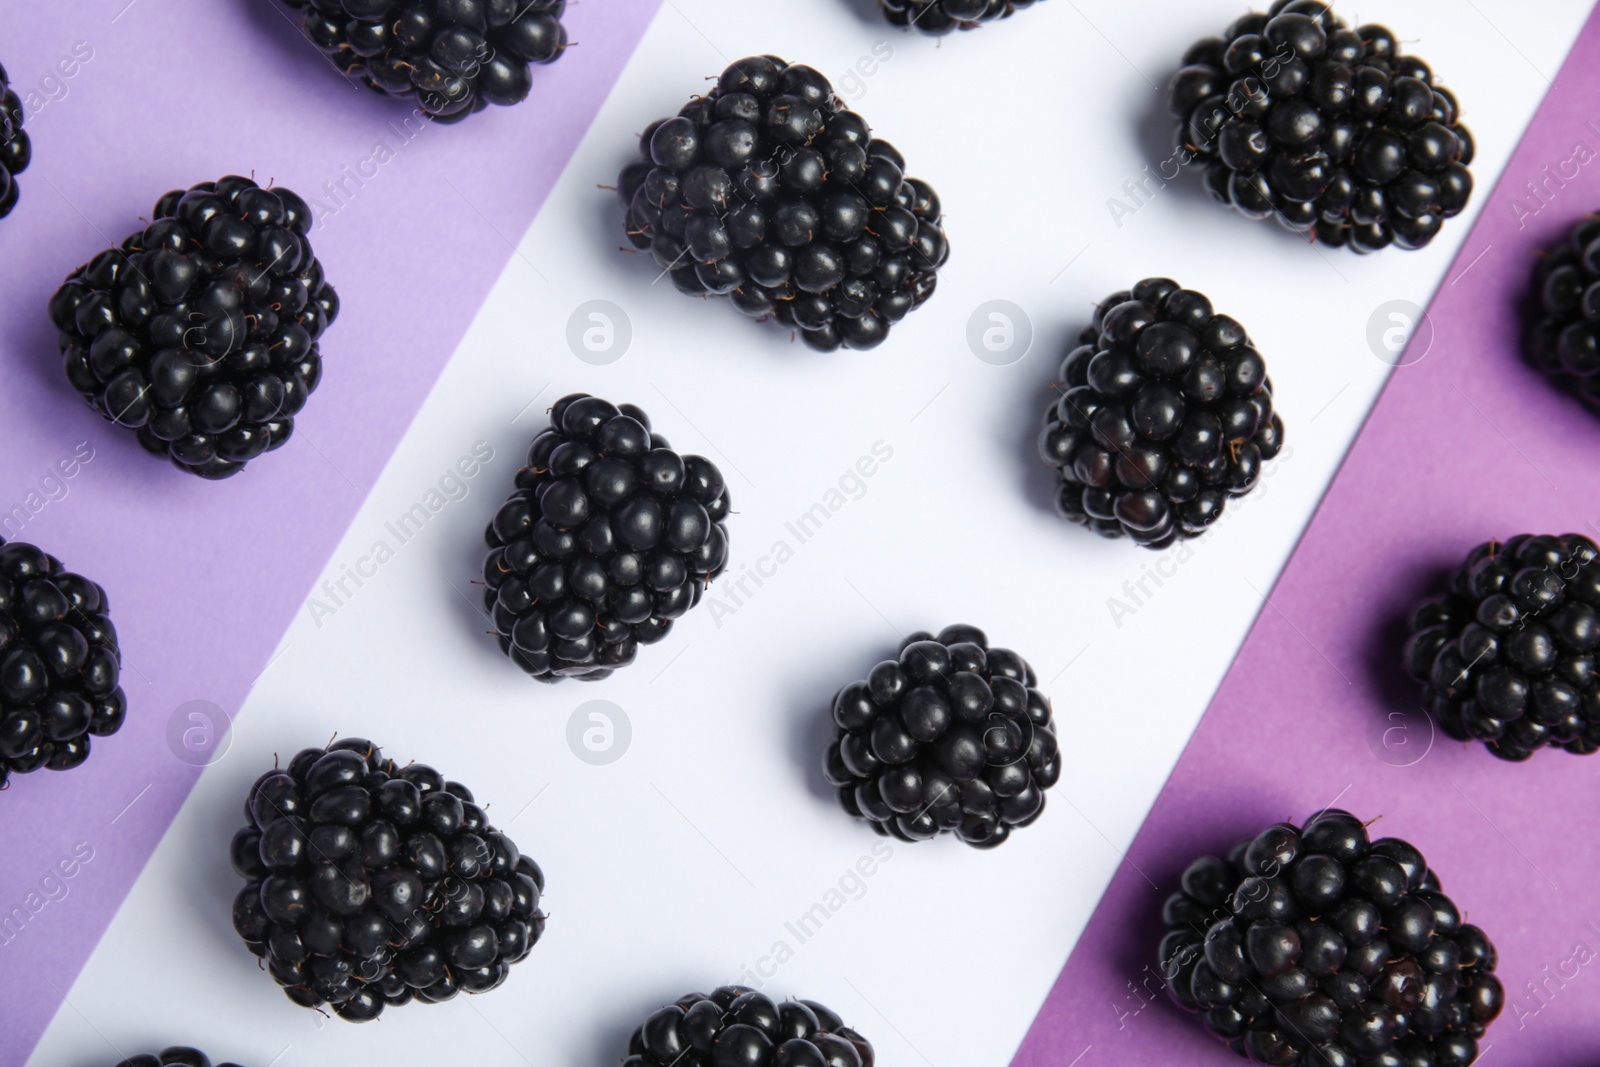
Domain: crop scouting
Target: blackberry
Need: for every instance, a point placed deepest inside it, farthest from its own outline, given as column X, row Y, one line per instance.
column 59, row 664
column 609, row 537
column 1506, row 657
column 454, row 57
column 737, row 1025
column 1331, row 130
column 177, row 1056
column 942, row 16
column 368, row 884
column 769, row 192
column 952, row 736
column 1562, row 313
column 15, row 148
column 200, row 332
column 1316, row 946
column 1165, row 411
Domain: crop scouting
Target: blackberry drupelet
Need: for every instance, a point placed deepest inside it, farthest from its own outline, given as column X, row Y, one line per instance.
column 1320, row 948
column 735, row 1025
column 1165, row 411
column 942, row 16
column 15, row 148
column 768, row 192
column 59, row 664
column 952, row 736
column 177, row 1056
column 609, row 537
column 1330, row 130
column 1507, row 656
column 1562, row 313
column 369, row 884
column 200, row 332
column 454, row 57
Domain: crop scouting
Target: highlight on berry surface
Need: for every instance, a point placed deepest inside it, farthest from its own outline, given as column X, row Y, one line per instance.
column 1331, row 131
column 1561, row 315
column 734, row 1024
column 16, row 150
column 768, row 191
column 1318, row 946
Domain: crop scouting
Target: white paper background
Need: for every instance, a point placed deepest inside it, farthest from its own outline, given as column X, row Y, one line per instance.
column 678, row 866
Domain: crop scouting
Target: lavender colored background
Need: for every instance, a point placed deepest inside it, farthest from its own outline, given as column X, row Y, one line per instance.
column 1465, row 444
column 204, row 578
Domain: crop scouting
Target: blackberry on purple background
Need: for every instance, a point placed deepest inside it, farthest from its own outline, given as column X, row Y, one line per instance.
column 943, row 16
column 1331, row 131
column 59, row 664
column 454, row 57
column 1165, row 411
column 735, row 1025
column 177, row 1056
column 1562, row 313
column 1506, row 656
column 370, row 884
column 200, row 333
column 950, row 737
column 610, row 536
column 15, row 148
column 767, row 191
column 1318, row 947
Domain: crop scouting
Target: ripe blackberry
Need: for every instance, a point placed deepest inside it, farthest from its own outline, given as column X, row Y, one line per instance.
column 1506, row 657
column 736, row 1025
column 1331, row 130
column 177, row 1056
column 59, row 664
column 941, row 16
column 1165, row 411
column 200, row 332
column 768, row 191
column 15, row 148
column 454, row 57
column 369, row 883
column 609, row 537
column 950, row 736
column 1562, row 313
column 1316, row 946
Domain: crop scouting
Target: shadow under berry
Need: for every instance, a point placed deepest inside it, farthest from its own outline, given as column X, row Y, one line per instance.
column 1396, row 690
column 809, row 720
column 281, row 27
column 611, row 1030
column 1039, row 389
column 868, row 12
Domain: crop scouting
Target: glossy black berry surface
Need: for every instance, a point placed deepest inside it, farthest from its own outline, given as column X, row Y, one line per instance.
column 369, row 884
column 200, row 333
column 1507, row 655
column 453, row 57
column 59, row 664
column 1163, row 411
column 949, row 737
column 734, row 1026
column 942, row 16
column 1329, row 130
column 609, row 537
column 15, row 148
column 767, row 191
column 177, row 1056
column 1562, row 313
column 1319, row 947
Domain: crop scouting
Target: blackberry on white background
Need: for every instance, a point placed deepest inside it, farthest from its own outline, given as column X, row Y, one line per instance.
column 176, row 1056
column 735, row 1026
column 943, row 16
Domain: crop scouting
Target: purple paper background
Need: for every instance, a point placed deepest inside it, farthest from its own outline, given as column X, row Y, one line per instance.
column 1466, row 444
column 204, row 578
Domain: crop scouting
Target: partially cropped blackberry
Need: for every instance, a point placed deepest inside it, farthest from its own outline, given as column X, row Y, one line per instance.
column 177, row 1056
column 370, row 883
column 609, row 537
column 1165, row 411
column 454, row 57
column 1330, row 130
column 1320, row 948
column 735, row 1025
column 1562, row 313
column 15, row 148
column 59, row 664
column 767, row 191
column 942, row 16
column 952, row 736
column 200, row 332
column 1506, row 657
